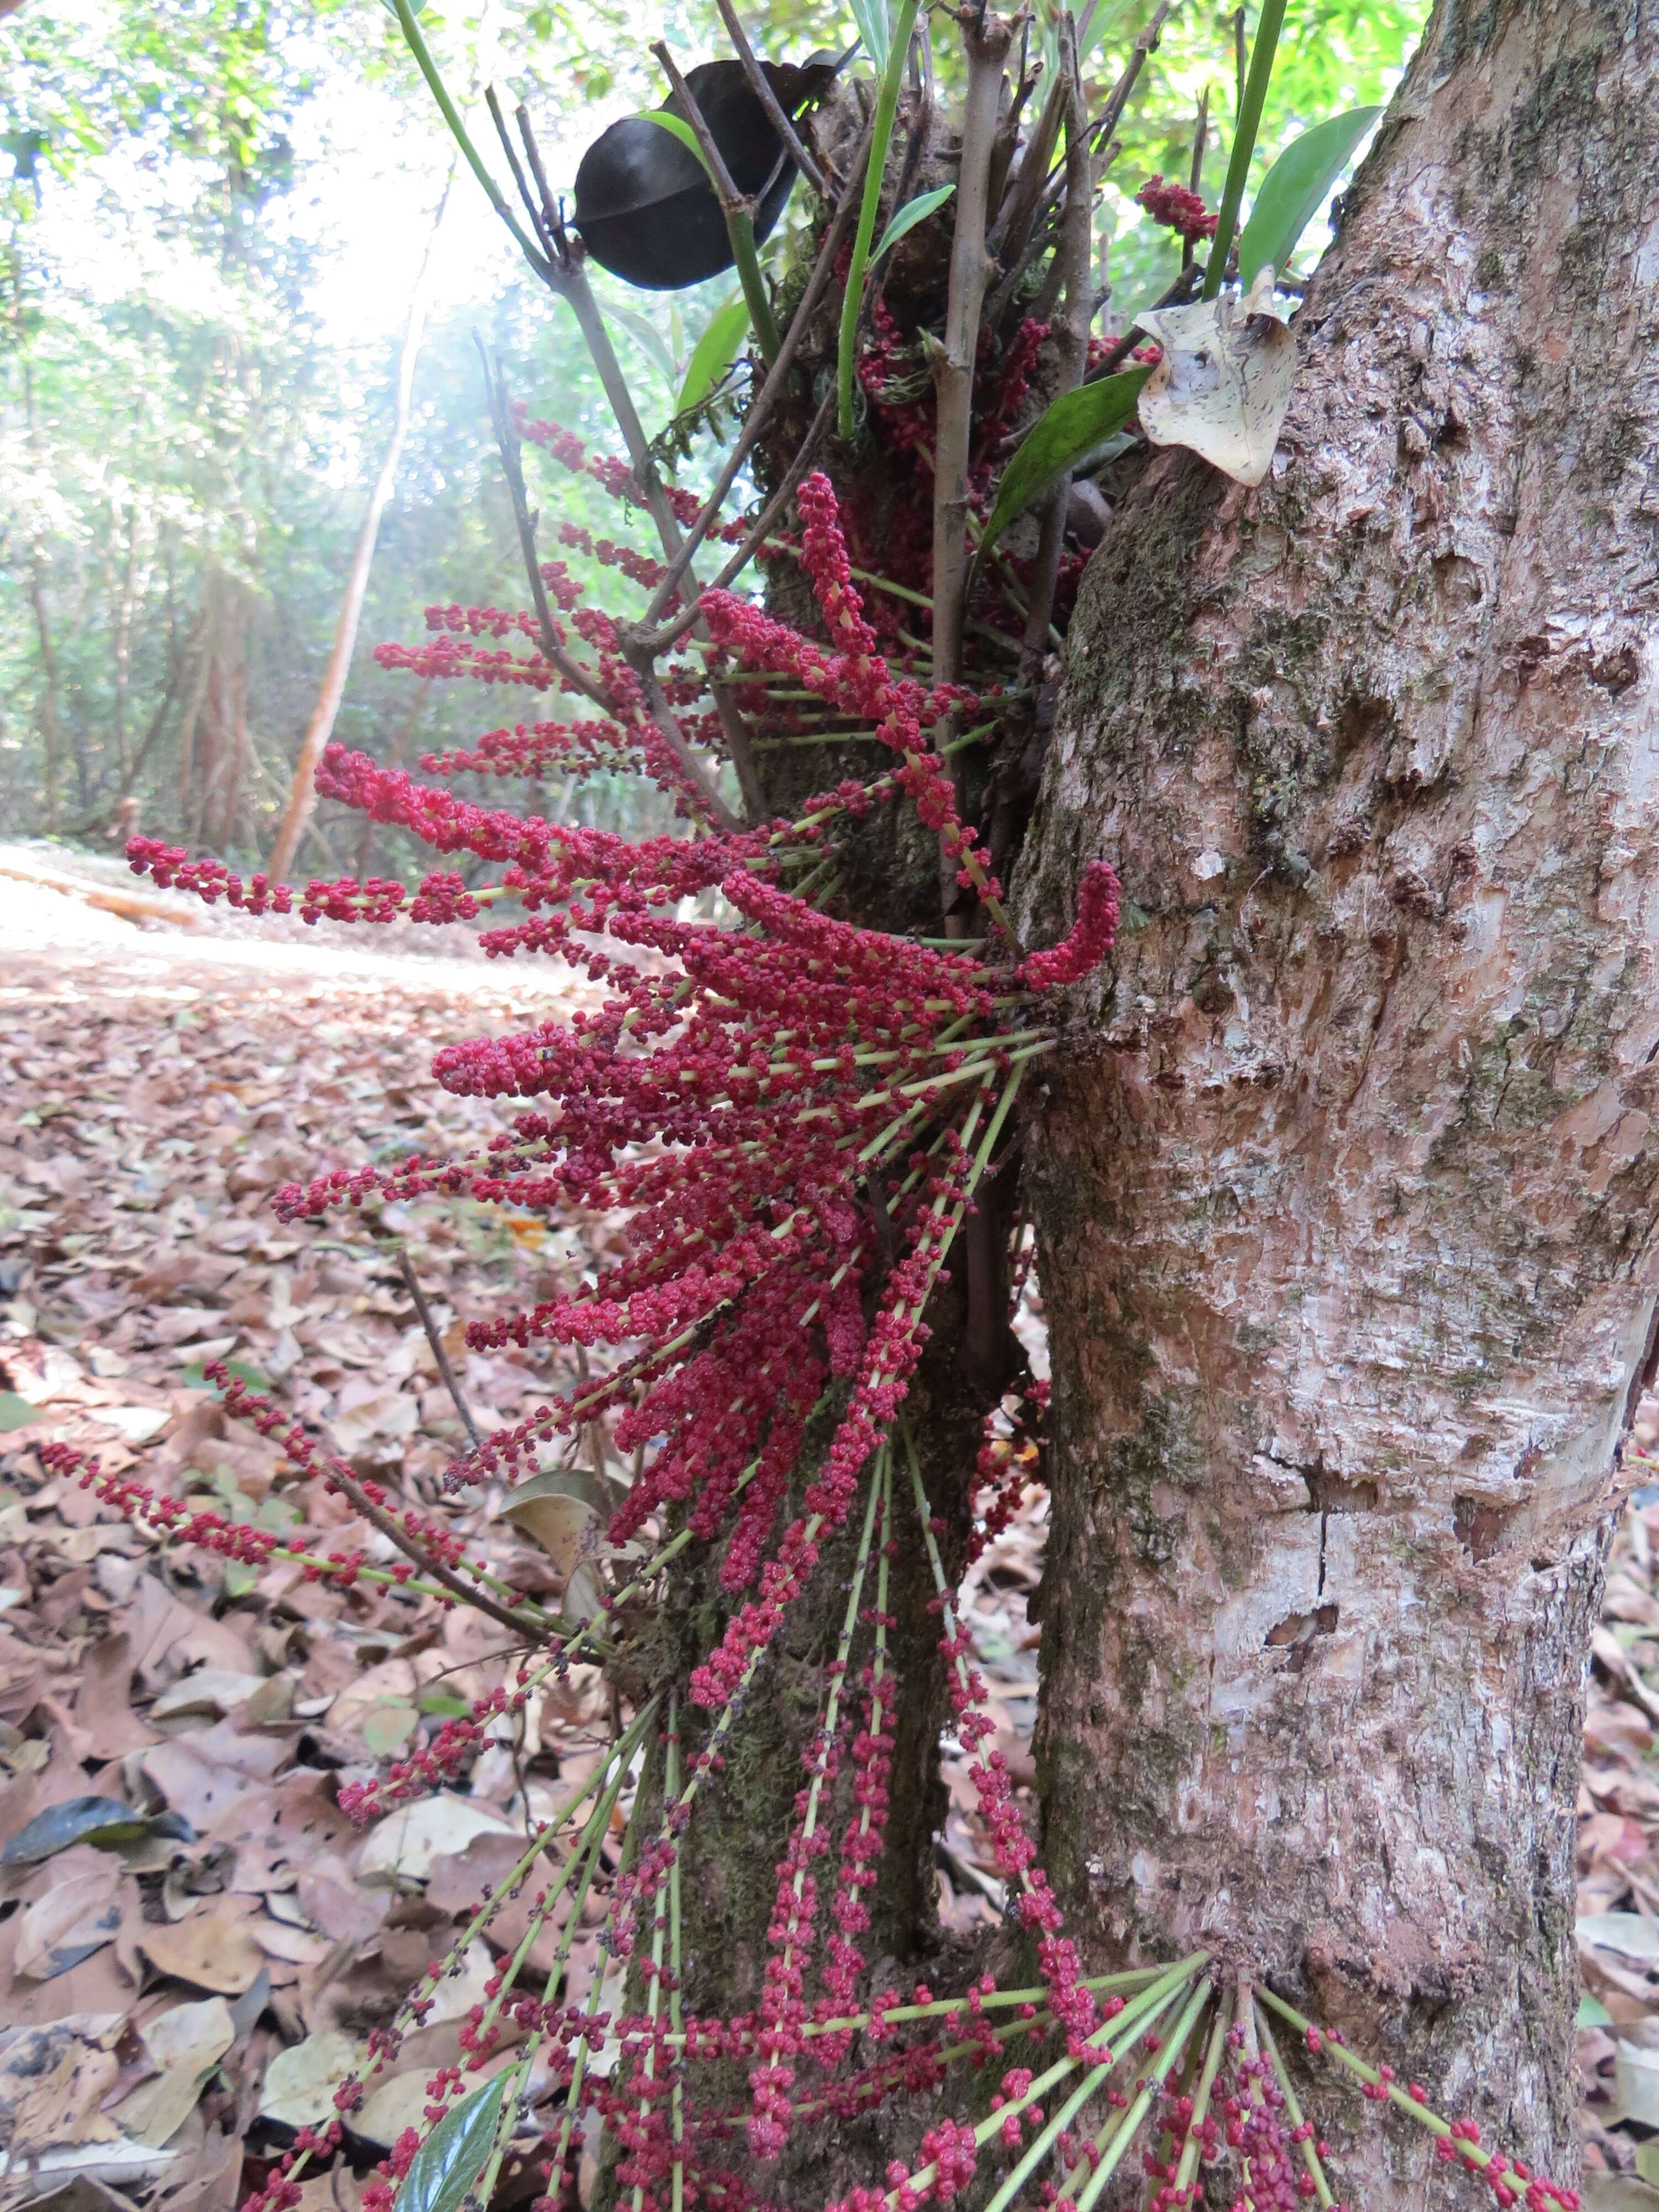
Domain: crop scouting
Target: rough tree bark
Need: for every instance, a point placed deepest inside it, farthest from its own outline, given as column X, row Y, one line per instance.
column 1347, row 1195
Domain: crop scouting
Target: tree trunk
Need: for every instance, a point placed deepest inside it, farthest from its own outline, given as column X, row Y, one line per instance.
column 1346, row 1198
column 51, row 720
column 303, row 793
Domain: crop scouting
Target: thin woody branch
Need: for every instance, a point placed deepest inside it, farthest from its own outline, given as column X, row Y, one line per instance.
column 737, row 207
column 1071, row 341
column 987, row 42
column 769, row 100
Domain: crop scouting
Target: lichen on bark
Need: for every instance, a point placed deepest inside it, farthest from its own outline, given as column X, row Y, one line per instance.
column 1346, row 1189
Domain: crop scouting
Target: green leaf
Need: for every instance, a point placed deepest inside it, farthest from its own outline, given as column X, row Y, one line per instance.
column 105, row 1822
column 643, row 332
column 450, row 2161
column 194, row 1376
column 16, row 1412
column 677, row 127
column 713, row 353
column 444, row 1705
column 907, row 217
column 875, row 29
column 240, row 1578
column 887, row 101
column 1075, row 425
column 1591, row 2012
column 1295, row 187
column 1096, row 24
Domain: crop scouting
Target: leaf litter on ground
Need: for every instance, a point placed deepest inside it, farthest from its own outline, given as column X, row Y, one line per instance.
column 195, row 1942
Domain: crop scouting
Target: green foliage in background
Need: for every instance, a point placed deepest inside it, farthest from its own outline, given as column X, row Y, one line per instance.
column 185, row 450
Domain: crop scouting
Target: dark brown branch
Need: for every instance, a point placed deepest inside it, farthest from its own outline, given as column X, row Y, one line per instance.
column 732, row 202
column 1071, row 341
column 766, row 400
column 769, row 100
column 664, row 641
column 395, row 1532
column 412, row 1283
column 1019, row 211
column 506, row 439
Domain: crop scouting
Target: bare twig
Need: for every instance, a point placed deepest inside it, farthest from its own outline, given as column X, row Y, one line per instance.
column 546, row 234
column 769, row 100
column 662, row 714
column 1196, row 169
column 393, row 1530
column 1177, row 296
column 1107, row 121
column 765, row 401
column 726, row 190
column 737, row 208
column 507, row 444
column 506, row 439
column 412, row 1283
column 987, row 42
column 1019, row 213
column 532, row 153
column 1071, row 341
column 805, row 454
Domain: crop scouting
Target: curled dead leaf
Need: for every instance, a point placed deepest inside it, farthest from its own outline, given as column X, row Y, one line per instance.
column 561, row 1509
column 215, row 1949
column 1223, row 386
column 300, row 2081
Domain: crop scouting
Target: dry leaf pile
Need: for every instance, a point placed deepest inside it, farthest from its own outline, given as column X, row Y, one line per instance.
column 194, row 1941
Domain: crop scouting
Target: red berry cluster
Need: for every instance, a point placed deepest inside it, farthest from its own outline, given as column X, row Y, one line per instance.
column 1177, row 206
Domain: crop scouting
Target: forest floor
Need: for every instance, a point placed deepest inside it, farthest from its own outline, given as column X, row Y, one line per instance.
column 176, row 1996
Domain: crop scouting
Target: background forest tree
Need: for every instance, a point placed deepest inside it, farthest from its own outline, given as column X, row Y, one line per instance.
column 189, row 423
column 1364, row 1099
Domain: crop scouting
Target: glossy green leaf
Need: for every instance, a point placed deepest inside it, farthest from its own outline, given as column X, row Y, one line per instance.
column 1294, row 189
column 1591, row 2012
column 713, row 353
column 449, row 2161
column 678, row 127
column 875, row 27
column 887, row 101
column 1075, row 425
column 913, row 212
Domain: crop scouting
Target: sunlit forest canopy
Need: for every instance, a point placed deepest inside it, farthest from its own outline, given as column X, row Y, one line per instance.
column 213, row 218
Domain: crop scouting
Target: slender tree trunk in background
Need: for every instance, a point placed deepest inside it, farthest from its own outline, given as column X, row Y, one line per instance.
column 50, row 719
column 302, row 794
column 1347, row 1198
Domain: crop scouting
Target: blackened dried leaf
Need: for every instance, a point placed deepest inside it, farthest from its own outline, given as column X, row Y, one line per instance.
column 644, row 206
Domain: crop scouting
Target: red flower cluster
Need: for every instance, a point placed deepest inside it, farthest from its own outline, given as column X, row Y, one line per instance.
column 1179, row 207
